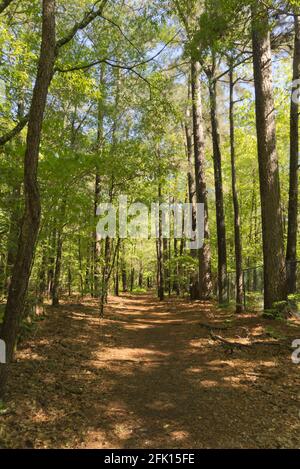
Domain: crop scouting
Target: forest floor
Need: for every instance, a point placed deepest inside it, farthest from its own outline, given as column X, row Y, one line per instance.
column 153, row 375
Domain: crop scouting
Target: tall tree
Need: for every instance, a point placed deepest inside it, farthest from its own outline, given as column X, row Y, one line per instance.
column 291, row 251
column 272, row 227
column 236, row 207
column 31, row 218
column 100, row 143
column 217, row 159
column 205, row 282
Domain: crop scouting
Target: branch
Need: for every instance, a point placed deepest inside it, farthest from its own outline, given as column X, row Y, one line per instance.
column 4, row 4
column 129, row 68
column 87, row 19
column 121, row 32
column 15, row 131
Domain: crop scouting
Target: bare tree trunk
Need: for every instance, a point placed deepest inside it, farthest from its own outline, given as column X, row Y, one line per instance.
column 88, row 270
column 56, row 281
column 31, row 219
column 105, row 277
column 51, row 262
column 117, row 283
column 291, row 251
column 220, row 214
column 97, row 241
column 58, row 260
column 205, row 282
column 107, row 271
column 124, row 270
column 132, row 276
column 194, row 278
column 272, row 230
column 69, row 281
column 100, row 142
column 42, row 280
column 236, row 208
column 14, row 233
column 80, row 268
column 176, row 286
column 141, row 277
column 166, row 265
column 160, row 262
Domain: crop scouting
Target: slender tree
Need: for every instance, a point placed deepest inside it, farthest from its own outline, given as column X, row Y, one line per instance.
column 236, row 207
column 31, row 218
column 205, row 282
column 217, row 159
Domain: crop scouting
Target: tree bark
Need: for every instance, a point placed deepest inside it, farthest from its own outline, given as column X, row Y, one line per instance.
column 14, row 233
column 205, row 281
column 159, row 245
column 194, row 278
column 56, row 281
column 236, row 208
column 42, row 280
column 220, row 214
column 272, row 229
column 123, row 268
column 100, row 142
column 31, row 219
column 291, row 251
column 4, row 4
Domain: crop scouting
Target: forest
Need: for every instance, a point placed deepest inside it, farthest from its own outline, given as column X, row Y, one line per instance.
column 149, row 270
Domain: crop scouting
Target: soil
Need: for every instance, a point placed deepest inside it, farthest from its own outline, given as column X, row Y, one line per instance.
column 153, row 375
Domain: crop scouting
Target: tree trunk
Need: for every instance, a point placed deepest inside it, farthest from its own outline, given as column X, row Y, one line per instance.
column 69, row 281
column 56, row 281
column 107, row 270
column 97, row 241
column 42, row 276
column 141, row 279
column 100, row 142
column 31, row 218
column 272, row 230
column 291, row 251
column 117, row 283
column 220, row 215
column 166, row 265
column 194, row 278
column 205, row 282
column 14, row 233
column 176, row 286
column 124, row 270
column 132, row 275
column 160, row 260
column 236, row 208
column 51, row 263
column 80, row 268
column 59, row 245
column 88, row 271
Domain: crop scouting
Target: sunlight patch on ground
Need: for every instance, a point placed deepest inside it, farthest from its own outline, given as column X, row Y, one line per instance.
column 179, row 435
column 126, row 353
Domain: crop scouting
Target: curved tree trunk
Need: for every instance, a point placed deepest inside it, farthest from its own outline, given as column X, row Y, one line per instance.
column 31, row 218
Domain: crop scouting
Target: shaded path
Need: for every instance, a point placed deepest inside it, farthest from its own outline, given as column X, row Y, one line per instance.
column 150, row 376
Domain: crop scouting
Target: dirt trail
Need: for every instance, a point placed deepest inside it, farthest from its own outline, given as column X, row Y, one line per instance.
column 150, row 375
